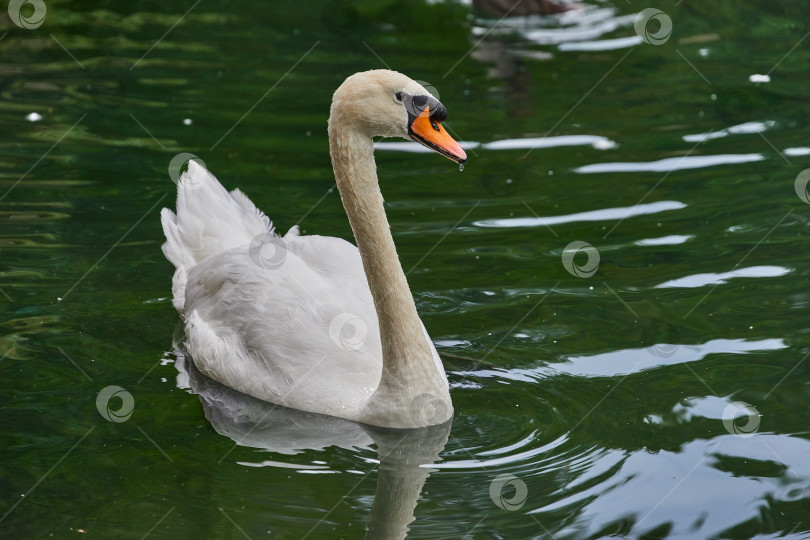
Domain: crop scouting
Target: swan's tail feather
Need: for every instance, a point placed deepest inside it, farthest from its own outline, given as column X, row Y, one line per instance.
column 209, row 221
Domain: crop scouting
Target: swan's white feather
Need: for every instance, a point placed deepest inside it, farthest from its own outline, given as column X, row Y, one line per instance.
column 271, row 327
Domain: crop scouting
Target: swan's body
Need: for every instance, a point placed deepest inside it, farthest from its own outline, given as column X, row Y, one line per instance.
column 294, row 320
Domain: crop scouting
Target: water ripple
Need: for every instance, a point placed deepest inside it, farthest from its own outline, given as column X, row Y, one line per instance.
column 595, row 141
column 585, row 23
column 626, row 361
column 714, row 474
column 602, row 45
column 740, row 129
column 671, row 240
column 603, row 214
column 527, row 450
column 709, row 278
column 671, row 164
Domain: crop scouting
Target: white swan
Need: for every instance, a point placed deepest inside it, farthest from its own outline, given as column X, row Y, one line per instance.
column 312, row 322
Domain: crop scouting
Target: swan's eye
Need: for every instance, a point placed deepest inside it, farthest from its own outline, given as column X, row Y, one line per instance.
column 398, row 95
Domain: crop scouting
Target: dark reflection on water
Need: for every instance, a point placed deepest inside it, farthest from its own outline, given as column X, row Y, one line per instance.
column 404, row 456
column 617, row 281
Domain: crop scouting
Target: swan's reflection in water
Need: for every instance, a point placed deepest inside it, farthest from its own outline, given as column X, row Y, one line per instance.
column 254, row 423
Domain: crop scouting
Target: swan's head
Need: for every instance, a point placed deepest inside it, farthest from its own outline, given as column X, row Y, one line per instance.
column 384, row 103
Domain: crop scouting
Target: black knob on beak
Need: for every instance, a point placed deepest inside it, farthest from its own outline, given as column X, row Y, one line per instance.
column 438, row 112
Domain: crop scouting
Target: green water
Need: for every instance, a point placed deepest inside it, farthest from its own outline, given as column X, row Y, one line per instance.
column 666, row 395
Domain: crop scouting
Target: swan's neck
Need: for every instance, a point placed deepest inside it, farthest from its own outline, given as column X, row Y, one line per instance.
column 409, row 370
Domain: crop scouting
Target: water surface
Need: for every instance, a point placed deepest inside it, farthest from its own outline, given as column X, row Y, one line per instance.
column 617, row 280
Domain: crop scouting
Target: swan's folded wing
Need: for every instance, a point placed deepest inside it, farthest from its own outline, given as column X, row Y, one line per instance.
column 295, row 331
column 330, row 257
column 210, row 220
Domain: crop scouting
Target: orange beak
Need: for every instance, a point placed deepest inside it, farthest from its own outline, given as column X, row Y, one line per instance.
column 429, row 132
